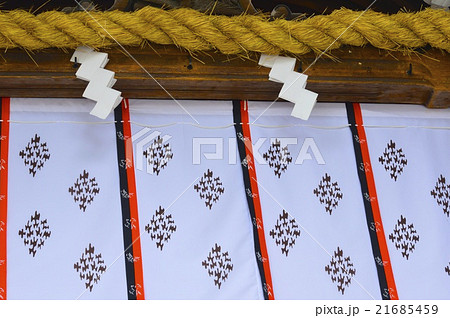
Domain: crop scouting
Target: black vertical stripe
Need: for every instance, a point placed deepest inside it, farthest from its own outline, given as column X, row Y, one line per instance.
column 125, row 203
column 360, row 167
column 248, row 190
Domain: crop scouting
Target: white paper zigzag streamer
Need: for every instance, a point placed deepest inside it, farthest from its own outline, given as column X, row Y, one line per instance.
column 293, row 89
column 438, row 3
column 100, row 80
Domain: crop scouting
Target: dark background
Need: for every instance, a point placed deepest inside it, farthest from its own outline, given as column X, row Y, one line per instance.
column 301, row 6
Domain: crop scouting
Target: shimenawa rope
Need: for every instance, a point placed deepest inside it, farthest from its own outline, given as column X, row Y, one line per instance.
column 196, row 31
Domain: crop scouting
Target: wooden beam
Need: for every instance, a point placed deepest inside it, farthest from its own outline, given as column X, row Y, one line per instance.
column 356, row 74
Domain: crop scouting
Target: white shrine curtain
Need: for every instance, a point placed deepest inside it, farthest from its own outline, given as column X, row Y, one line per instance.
column 223, row 200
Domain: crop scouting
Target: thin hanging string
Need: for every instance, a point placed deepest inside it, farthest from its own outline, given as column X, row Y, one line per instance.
column 223, row 126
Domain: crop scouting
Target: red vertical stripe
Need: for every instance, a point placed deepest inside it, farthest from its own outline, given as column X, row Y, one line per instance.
column 374, row 203
column 138, row 271
column 4, row 194
column 256, row 201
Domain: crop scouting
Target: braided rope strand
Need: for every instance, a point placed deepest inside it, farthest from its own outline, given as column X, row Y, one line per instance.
column 196, row 31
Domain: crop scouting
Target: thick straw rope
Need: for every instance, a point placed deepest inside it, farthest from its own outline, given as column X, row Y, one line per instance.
column 197, row 31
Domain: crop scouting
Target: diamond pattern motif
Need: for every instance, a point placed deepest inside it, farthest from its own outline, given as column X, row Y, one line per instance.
column 84, row 190
column 278, row 157
column 35, row 233
column 393, row 160
column 35, row 154
column 218, row 264
column 329, row 193
column 341, row 270
column 209, row 188
column 285, row 232
column 161, row 228
column 404, row 237
column 441, row 193
column 158, row 154
column 90, row 266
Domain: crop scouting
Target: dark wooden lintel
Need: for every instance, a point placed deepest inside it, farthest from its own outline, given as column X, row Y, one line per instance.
column 355, row 74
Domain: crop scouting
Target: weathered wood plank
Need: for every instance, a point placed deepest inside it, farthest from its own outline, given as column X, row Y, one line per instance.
column 356, row 74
